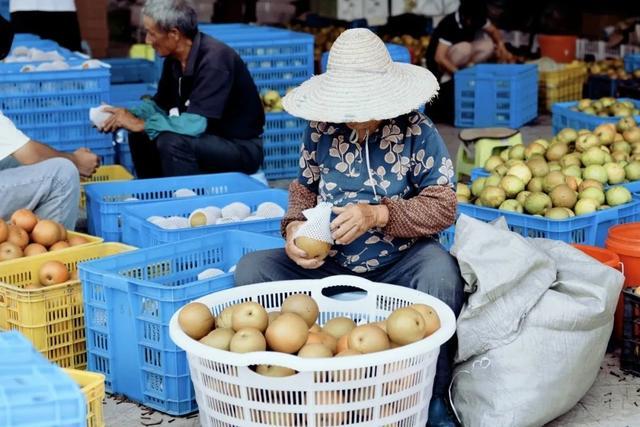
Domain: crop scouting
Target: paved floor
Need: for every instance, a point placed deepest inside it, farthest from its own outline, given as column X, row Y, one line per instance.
column 612, row 401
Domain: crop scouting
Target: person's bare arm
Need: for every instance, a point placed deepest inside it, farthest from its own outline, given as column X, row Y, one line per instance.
column 496, row 36
column 443, row 59
column 35, row 152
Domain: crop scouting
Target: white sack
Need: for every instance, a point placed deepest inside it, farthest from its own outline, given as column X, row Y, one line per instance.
column 533, row 334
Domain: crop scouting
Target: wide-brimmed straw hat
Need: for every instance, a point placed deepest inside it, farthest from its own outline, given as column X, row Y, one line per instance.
column 361, row 83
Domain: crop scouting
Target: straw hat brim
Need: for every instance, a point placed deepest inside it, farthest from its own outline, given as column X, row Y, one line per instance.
column 361, row 95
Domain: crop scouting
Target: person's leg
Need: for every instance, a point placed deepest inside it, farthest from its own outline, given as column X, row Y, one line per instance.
column 145, row 156
column 482, row 50
column 50, row 188
column 216, row 154
column 427, row 267
column 186, row 155
column 460, row 54
column 274, row 264
column 177, row 154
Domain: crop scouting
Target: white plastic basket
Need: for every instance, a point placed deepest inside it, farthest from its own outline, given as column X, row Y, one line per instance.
column 392, row 387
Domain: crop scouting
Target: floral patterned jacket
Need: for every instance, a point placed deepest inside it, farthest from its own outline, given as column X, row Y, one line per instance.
column 408, row 168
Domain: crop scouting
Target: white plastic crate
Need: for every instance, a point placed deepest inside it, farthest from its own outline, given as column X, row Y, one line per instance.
column 391, row 387
column 599, row 50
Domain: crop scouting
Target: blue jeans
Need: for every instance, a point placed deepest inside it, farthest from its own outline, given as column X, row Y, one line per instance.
column 50, row 188
column 426, row 266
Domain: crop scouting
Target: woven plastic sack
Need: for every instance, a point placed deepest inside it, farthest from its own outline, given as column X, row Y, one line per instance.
column 317, row 225
column 535, row 330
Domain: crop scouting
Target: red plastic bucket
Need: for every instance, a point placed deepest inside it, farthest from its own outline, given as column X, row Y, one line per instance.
column 558, row 48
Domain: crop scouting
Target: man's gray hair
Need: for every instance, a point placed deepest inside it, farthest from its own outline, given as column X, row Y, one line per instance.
column 169, row 14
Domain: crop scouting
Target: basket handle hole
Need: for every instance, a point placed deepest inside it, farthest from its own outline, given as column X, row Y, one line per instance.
column 344, row 293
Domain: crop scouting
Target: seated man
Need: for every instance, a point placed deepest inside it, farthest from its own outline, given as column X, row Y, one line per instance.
column 35, row 176
column 460, row 40
column 207, row 115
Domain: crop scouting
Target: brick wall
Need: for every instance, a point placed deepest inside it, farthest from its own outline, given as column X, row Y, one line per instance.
column 92, row 15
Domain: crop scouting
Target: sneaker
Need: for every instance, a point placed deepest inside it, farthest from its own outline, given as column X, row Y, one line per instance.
column 439, row 414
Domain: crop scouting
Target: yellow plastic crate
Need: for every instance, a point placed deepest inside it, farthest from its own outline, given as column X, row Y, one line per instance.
column 561, row 85
column 92, row 385
column 52, row 318
column 104, row 174
column 92, row 240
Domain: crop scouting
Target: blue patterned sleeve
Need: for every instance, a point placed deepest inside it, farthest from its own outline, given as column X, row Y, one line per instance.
column 430, row 160
column 309, row 175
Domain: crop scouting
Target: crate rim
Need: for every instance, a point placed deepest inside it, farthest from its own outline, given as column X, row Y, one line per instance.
column 90, row 268
column 133, row 210
column 15, row 263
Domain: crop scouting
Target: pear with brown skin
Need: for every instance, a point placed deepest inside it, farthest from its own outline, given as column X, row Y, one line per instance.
column 368, row 339
column 250, row 315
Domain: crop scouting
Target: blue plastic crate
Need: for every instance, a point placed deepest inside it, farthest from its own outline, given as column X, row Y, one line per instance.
column 23, row 37
column 137, row 231
column 130, row 93
column 131, row 70
column 631, row 62
column 4, row 9
column 277, row 59
column 16, row 349
column 123, row 154
column 564, row 117
column 282, row 139
column 591, row 229
column 53, row 106
column 496, row 95
column 129, row 300
column 105, row 201
column 33, row 391
column 446, row 237
column 397, row 52
column 478, row 173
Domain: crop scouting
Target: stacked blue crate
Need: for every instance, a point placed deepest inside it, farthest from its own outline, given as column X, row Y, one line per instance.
column 490, row 95
column 53, row 106
column 397, row 52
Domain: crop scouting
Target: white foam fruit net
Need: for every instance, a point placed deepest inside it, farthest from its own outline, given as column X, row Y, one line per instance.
column 317, row 225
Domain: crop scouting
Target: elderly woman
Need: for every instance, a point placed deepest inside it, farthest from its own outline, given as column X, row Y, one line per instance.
column 207, row 115
column 386, row 170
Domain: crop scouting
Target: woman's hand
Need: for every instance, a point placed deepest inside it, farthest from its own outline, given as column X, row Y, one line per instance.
column 121, row 119
column 296, row 254
column 355, row 220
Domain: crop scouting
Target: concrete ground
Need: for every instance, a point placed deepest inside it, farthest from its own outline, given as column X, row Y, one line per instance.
column 612, row 401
